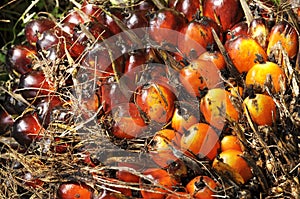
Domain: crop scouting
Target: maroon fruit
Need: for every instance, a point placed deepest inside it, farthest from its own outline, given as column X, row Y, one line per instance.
column 189, row 8
column 6, row 121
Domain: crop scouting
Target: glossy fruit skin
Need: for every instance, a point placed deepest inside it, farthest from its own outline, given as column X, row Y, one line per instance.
column 164, row 24
column 198, row 76
column 34, row 84
column 229, row 12
column 215, row 57
column 197, row 36
column 19, row 59
column 244, row 52
column 184, row 116
column 262, row 109
column 201, row 140
column 259, row 31
column 127, row 176
column 284, row 33
column 32, row 181
column 74, row 190
column 230, row 142
column 161, row 177
column 240, row 28
column 45, row 107
column 36, row 27
column 26, row 128
column 235, row 162
column 188, row 7
column 128, row 122
column 157, row 101
column 159, row 147
column 259, row 74
column 201, row 187
column 6, row 121
column 216, row 106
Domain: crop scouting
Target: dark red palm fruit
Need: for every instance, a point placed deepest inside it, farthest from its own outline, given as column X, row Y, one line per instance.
column 53, row 43
column 45, row 107
column 161, row 147
column 241, row 28
column 225, row 12
column 106, row 18
column 198, row 76
column 285, row 34
column 19, row 59
column 189, row 8
column 6, row 121
column 156, row 101
column 197, row 36
column 244, row 52
column 127, row 175
column 215, row 57
column 259, row 31
column 34, row 84
column 164, row 25
column 112, row 94
column 62, row 114
column 89, row 105
column 128, row 122
column 36, row 27
column 75, row 17
column 135, row 59
column 58, row 145
column 99, row 59
column 185, row 115
column 161, row 178
column 26, row 129
column 76, row 190
column 12, row 105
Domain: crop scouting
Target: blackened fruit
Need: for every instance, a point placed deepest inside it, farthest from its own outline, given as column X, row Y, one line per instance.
column 26, row 129
column 6, row 121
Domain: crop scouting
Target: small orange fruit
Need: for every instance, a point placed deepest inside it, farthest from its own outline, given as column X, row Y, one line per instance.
column 74, row 191
column 216, row 106
column 262, row 109
column 201, row 140
column 230, row 142
column 231, row 162
column 201, row 187
column 261, row 72
column 215, row 57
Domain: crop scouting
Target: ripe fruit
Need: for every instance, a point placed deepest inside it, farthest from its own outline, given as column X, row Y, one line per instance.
column 244, row 52
column 230, row 142
column 27, row 128
column 226, row 12
column 198, row 76
column 178, row 195
column 216, row 107
column 240, row 28
column 201, row 187
column 128, row 123
column 72, row 190
column 230, row 162
column 197, row 36
column 34, row 84
column 259, row 31
column 125, row 175
column 201, row 140
column 160, row 147
column 158, row 177
column 157, row 101
column 164, row 24
column 189, row 8
column 36, row 27
column 287, row 36
column 215, row 57
column 262, row 109
column 19, row 59
column 184, row 116
column 264, row 73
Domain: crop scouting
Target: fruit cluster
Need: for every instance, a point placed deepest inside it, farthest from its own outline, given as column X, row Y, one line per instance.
column 149, row 99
